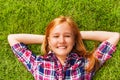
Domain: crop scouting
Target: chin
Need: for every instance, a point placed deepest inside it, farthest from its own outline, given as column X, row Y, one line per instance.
column 62, row 54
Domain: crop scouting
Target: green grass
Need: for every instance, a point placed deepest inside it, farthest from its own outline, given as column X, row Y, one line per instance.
column 32, row 16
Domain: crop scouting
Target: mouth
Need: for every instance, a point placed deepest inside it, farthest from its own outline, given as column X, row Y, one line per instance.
column 61, row 47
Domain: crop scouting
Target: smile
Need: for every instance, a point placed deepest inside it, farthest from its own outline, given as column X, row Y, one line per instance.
column 61, row 47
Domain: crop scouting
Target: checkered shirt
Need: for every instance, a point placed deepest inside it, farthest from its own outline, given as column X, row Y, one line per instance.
column 48, row 67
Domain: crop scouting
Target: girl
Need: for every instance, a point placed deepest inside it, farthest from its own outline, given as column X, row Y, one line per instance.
column 65, row 56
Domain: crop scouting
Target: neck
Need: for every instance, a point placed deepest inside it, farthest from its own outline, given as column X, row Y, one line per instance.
column 62, row 59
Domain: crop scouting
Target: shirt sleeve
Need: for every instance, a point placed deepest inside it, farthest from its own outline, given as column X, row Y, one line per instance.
column 104, row 51
column 25, row 56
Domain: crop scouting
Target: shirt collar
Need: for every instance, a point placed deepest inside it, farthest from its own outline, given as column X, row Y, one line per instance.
column 72, row 58
column 51, row 55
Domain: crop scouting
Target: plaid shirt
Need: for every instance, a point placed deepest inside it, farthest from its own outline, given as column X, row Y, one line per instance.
column 49, row 68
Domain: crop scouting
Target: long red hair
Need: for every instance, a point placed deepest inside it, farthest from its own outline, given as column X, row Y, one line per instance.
column 78, row 48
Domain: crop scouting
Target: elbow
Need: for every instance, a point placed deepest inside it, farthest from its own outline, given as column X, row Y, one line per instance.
column 11, row 39
column 117, row 36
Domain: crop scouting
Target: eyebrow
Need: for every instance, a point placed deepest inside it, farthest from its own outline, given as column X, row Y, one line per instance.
column 64, row 33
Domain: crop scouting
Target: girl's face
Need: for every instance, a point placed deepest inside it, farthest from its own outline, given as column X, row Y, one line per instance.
column 61, row 40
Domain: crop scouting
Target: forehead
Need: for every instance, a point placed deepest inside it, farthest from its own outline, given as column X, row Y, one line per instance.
column 62, row 28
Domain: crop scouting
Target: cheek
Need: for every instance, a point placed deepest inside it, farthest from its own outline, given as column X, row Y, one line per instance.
column 52, row 42
column 72, row 41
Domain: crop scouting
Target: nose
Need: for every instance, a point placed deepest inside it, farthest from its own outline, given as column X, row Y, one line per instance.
column 61, row 39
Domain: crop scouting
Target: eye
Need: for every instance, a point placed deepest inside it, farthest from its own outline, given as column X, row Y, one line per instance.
column 67, row 36
column 55, row 36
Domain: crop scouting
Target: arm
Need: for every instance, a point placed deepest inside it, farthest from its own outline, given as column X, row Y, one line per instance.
column 112, row 37
column 21, row 51
column 25, row 38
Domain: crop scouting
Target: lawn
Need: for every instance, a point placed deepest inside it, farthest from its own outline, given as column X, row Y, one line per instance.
column 32, row 16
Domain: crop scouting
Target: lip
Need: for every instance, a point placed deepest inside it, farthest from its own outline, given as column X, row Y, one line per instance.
column 62, row 47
